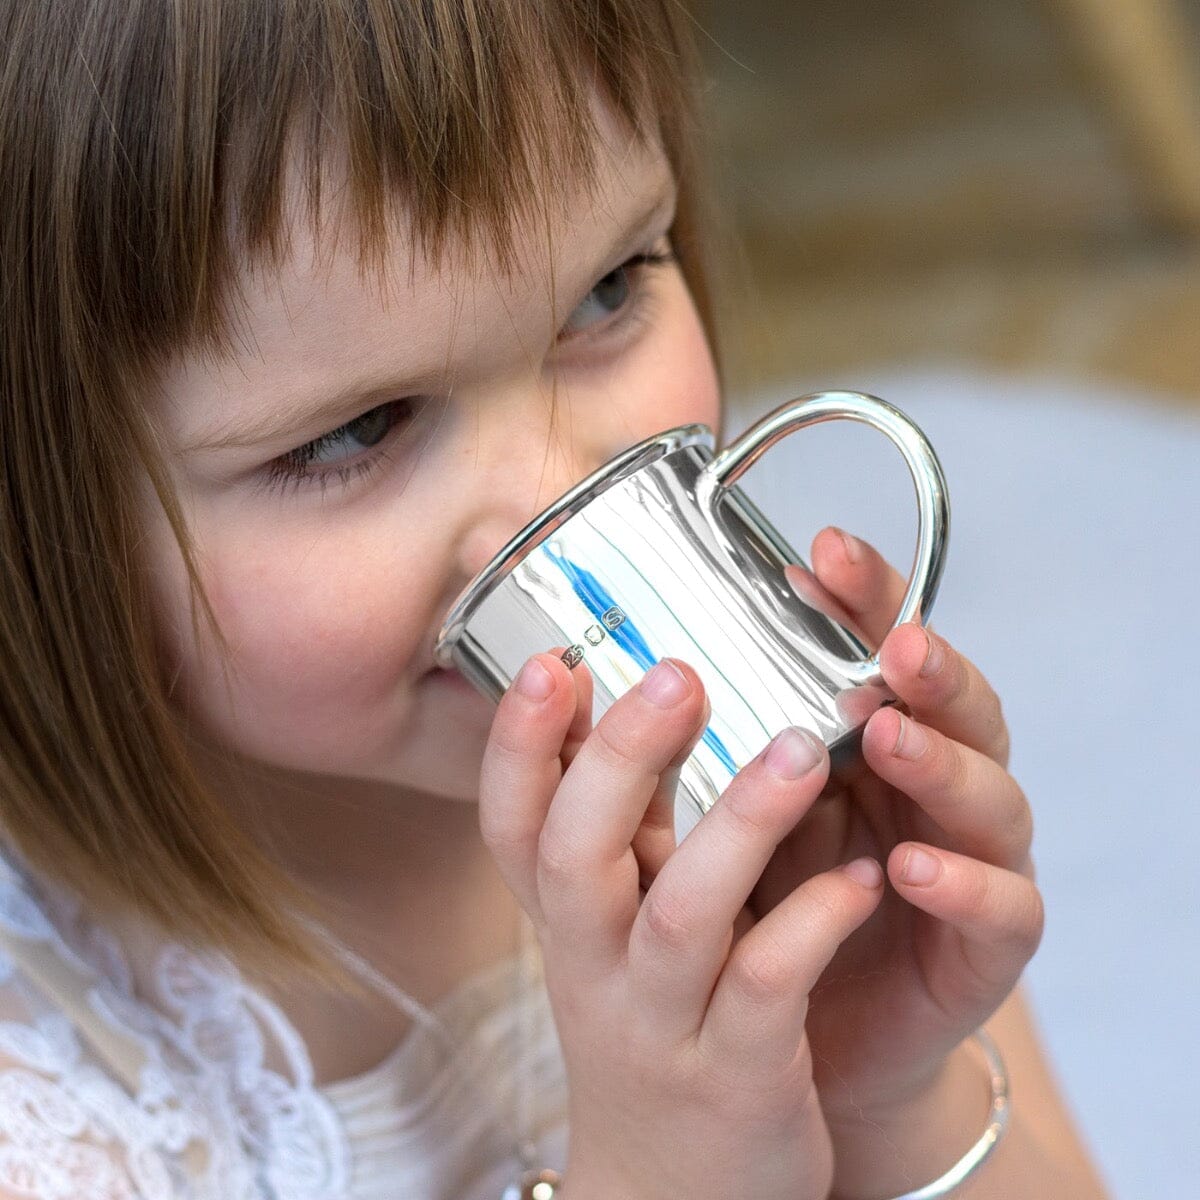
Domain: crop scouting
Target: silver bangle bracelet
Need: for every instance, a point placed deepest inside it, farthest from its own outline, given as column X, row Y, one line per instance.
column 997, row 1124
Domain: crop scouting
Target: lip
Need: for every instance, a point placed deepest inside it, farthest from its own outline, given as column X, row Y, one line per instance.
column 448, row 677
column 429, row 664
column 436, row 672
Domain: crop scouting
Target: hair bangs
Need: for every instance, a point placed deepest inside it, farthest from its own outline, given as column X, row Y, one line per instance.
column 467, row 113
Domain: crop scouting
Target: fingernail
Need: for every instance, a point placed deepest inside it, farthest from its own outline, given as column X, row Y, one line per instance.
column 534, row 681
column 919, row 868
column 865, row 871
column 934, row 656
column 792, row 753
column 852, row 546
column 911, row 741
column 665, row 684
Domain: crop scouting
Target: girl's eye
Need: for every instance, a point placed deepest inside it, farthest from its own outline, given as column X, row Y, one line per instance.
column 328, row 453
column 614, row 293
column 614, row 298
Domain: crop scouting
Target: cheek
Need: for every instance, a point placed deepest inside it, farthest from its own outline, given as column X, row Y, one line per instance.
column 317, row 654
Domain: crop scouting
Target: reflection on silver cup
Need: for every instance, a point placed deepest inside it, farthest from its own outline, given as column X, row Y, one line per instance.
column 659, row 554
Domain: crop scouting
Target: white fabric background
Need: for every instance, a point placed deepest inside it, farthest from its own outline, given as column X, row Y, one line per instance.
column 1073, row 581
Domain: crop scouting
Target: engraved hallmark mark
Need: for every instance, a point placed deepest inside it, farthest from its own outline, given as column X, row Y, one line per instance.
column 613, row 617
column 593, row 635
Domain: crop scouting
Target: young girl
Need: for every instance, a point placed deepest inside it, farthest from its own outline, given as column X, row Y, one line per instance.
column 307, row 309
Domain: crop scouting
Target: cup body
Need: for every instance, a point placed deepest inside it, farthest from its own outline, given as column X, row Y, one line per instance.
column 643, row 561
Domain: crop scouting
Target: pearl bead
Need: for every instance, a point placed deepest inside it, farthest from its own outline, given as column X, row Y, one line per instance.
column 534, row 1185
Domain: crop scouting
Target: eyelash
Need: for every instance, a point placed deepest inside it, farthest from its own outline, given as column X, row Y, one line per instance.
column 289, row 471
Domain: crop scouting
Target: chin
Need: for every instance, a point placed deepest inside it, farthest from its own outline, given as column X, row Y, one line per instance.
column 446, row 783
column 447, row 766
column 445, row 736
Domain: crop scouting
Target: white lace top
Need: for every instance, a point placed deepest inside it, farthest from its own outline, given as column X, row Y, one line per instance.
column 206, row 1092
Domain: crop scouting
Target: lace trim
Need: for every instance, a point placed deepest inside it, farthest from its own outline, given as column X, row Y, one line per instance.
column 209, row 1118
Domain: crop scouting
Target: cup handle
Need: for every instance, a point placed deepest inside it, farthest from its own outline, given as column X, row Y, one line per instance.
column 933, row 506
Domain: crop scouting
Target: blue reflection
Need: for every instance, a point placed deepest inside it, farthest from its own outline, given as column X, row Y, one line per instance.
column 598, row 601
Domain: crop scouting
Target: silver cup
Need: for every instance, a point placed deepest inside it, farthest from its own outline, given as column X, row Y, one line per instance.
column 657, row 554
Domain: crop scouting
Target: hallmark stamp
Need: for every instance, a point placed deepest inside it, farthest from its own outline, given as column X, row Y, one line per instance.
column 593, row 635
column 613, row 617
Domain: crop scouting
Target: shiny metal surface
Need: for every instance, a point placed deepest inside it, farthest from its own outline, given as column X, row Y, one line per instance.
column 659, row 554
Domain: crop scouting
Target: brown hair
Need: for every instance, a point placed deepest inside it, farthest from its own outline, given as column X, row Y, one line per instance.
column 142, row 153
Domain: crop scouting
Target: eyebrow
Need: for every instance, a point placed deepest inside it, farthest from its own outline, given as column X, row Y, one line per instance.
column 332, row 406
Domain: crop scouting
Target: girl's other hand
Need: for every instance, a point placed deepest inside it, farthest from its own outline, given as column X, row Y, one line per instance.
column 681, row 1015
column 963, row 916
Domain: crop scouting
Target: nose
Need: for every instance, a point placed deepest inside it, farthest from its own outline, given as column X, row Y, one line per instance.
column 522, row 467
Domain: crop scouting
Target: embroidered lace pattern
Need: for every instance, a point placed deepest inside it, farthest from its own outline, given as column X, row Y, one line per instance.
column 225, row 1106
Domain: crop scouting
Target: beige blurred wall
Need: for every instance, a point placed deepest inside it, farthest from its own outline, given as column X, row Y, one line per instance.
column 1009, row 182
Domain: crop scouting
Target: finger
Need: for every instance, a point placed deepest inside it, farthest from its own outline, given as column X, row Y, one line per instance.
column 972, row 800
column 953, row 696
column 521, row 769
column 944, row 689
column 654, row 841
column 757, row 1013
column 680, row 939
column 587, row 871
column 813, row 592
column 996, row 917
column 581, row 724
column 861, row 580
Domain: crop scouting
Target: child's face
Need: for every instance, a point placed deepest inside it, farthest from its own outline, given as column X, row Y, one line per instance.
column 437, row 394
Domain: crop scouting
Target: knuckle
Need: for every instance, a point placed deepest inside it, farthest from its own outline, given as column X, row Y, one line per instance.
column 504, row 741
column 995, row 964
column 616, row 748
column 643, row 738
column 997, row 728
column 558, row 861
column 1035, row 920
column 949, row 785
column 1003, row 746
column 667, row 920
column 1021, row 829
column 742, row 811
column 986, row 974
column 763, row 973
column 952, row 776
column 512, row 736
column 1019, row 918
column 496, row 834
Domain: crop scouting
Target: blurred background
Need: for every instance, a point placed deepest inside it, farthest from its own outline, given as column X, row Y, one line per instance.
column 988, row 213
column 1012, row 181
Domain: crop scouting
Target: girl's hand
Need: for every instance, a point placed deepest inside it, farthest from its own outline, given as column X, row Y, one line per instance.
column 949, row 941
column 681, row 1014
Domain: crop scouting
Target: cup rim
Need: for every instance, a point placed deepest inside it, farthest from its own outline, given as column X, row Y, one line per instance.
column 620, row 466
